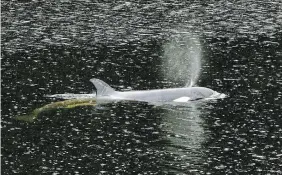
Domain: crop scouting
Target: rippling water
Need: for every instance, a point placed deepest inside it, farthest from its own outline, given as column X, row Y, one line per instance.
column 57, row 46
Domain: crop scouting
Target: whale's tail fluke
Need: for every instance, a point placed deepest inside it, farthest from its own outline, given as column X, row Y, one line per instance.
column 103, row 89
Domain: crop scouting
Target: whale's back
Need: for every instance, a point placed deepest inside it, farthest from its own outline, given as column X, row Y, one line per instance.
column 168, row 95
column 104, row 91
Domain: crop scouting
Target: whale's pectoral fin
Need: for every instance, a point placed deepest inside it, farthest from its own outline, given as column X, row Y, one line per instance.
column 103, row 89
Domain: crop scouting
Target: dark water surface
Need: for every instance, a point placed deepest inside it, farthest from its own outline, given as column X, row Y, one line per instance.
column 57, row 46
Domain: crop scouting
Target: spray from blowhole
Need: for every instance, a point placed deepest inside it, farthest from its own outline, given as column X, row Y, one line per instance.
column 182, row 58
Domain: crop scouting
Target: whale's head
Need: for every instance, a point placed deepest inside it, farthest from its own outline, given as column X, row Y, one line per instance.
column 206, row 93
column 217, row 95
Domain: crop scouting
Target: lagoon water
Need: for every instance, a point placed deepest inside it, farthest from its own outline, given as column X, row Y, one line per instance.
column 55, row 47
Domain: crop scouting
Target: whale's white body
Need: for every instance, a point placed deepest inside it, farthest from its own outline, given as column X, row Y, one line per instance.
column 105, row 93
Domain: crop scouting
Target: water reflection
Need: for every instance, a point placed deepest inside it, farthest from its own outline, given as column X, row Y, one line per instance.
column 113, row 139
column 184, row 136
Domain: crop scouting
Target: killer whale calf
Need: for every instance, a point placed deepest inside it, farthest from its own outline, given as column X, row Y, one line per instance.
column 105, row 93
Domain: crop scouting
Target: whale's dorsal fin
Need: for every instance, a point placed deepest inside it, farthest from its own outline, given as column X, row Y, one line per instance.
column 103, row 89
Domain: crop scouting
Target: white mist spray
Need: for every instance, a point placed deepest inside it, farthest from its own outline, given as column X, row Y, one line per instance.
column 182, row 58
